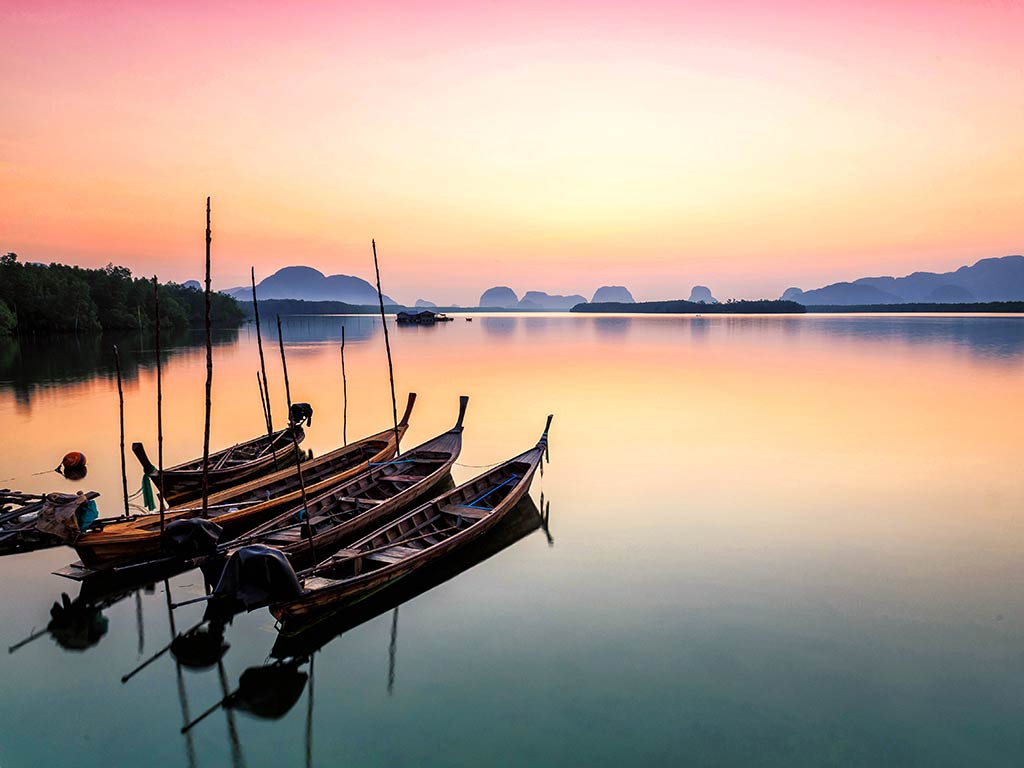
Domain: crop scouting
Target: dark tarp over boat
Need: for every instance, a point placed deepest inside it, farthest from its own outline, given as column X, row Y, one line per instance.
column 256, row 576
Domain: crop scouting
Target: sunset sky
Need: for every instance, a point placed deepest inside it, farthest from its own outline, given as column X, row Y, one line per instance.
column 748, row 146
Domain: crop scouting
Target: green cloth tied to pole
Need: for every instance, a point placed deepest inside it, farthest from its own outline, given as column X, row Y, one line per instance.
column 147, row 493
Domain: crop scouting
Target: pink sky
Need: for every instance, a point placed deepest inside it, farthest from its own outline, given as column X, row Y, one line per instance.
column 746, row 146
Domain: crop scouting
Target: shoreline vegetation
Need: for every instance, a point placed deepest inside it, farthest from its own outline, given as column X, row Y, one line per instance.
column 57, row 298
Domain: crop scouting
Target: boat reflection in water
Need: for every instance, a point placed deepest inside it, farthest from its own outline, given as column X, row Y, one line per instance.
column 271, row 690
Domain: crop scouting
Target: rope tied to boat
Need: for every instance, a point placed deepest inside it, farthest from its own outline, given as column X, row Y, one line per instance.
column 479, row 466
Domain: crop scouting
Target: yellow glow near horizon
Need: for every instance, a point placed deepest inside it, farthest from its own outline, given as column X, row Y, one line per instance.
column 557, row 151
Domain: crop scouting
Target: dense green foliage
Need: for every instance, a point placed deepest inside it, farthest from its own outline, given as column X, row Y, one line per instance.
column 62, row 298
column 761, row 307
column 7, row 320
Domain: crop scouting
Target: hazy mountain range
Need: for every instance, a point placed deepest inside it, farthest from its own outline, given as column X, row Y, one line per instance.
column 996, row 279
column 993, row 279
column 503, row 297
column 311, row 285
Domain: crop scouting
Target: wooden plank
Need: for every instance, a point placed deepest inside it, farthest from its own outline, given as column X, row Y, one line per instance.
column 75, row 571
column 395, row 554
column 469, row 512
column 361, row 502
column 404, row 478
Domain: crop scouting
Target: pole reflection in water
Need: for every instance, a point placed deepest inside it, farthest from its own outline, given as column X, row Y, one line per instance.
column 392, row 651
column 190, row 749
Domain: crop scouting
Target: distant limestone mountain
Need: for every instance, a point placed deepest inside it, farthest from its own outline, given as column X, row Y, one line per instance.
column 995, row 279
column 541, row 300
column 501, row 296
column 311, row 285
column 612, row 293
column 701, row 293
column 424, row 304
column 193, row 284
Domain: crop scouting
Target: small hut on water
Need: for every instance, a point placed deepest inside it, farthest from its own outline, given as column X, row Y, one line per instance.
column 422, row 317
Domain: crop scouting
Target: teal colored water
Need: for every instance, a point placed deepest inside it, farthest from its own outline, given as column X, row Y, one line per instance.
column 772, row 541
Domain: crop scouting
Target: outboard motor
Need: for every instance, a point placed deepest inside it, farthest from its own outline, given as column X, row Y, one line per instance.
column 191, row 537
column 256, row 576
column 301, row 413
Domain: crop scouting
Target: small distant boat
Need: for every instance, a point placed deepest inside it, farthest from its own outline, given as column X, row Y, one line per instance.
column 469, row 319
column 415, row 539
column 229, row 467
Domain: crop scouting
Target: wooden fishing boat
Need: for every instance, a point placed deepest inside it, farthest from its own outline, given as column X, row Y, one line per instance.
column 239, row 509
column 363, row 501
column 309, row 637
column 415, row 539
column 229, row 467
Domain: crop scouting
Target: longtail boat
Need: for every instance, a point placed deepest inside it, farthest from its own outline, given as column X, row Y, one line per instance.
column 229, row 467
column 415, row 539
column 239, row 509
column 363, row 501
column 523, row 519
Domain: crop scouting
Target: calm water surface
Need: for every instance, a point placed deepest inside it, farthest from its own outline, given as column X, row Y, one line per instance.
column 772, row 541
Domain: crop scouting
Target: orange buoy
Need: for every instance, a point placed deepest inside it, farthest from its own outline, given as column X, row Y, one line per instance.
column 73, row 461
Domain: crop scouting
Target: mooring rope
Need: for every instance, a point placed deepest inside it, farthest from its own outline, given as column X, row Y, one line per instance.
column 480, row 466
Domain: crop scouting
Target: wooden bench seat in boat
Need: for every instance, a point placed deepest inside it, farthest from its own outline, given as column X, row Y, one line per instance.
column 469, row 512
column 362, row 502
column 403, row 478
column 395, row 554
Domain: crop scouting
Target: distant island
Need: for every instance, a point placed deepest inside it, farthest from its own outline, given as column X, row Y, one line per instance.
column 976, row 306
column 994, row 279
column 503, row 297
column 311, row 285
column 681, row 307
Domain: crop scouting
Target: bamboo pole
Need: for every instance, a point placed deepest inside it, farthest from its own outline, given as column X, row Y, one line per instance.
column 387, row 346
column 259, row 344
column 209, row 375
column 159, row 411
column 295, row 440
column 344, row 392
column 120, row 408
column 263, row 400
